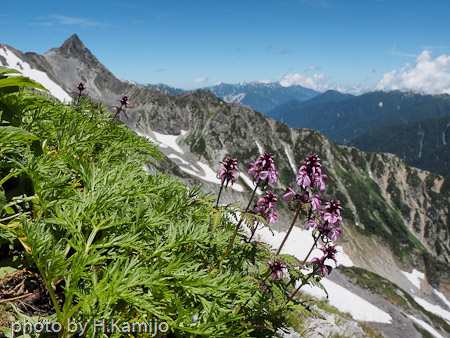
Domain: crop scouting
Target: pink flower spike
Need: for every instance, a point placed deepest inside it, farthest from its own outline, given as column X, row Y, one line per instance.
column 229, row 172
column 277, row 266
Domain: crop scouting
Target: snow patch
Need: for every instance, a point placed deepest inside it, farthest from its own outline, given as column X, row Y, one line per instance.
column 182, row 160
column 169, row 140
column 12, row 61
column 346, row 301
column 232, row 98
column 299, row 244
column 209, row 175
column 151, row 139
column 414, row 277
column 260, row 149
column 436, row 309
column 249, row 182
column 290, row 159
column 426, row 326
column 441, row 296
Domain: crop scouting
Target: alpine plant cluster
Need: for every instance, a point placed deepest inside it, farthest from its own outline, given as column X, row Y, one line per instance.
column 325, row 220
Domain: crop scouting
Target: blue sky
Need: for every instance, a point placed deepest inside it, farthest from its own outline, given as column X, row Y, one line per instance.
column 350, row 45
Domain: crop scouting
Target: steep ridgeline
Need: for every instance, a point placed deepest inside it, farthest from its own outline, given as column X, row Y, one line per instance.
column 262, row 97
column 395, row 218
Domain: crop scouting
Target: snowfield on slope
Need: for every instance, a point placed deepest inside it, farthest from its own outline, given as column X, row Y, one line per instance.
column 13, row 61
column 298, row 245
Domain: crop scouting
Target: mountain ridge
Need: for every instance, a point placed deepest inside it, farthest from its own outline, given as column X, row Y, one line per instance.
column 326, row 97
column 261, row 96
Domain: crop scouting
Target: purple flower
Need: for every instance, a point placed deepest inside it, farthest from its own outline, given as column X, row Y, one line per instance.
column 312, row 223
column 303, row 179
column 290, row 194
column 81, row 87
column 277, row 266
column 321, row 181
column 329, row 231
column 124, row 101
column 334, row 234
column 315, row 201
column 310, row 173
column 268, row 200
column 270, row 175
column 229, row 172
column 329, row 252
column 263, row 169
column 266, row 207
column 333, row 212
column 325, row 269
column 294, row 196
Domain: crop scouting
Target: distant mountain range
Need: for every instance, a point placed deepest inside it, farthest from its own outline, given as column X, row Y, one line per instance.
column 290, row 107
column 410, row 125
column 424, row 144
column 395, row 217
column 262, row 97
column 164, row 88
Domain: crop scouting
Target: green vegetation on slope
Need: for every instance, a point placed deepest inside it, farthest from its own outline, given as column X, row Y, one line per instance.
column 101, row 238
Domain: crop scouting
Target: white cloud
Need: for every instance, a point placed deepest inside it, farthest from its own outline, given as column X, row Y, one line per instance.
column 201, row 80
column 427, row 75
column 394, row 51
column 315, row 81
column 67, row 20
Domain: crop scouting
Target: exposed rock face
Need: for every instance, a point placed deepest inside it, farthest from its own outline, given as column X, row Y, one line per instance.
column 396, row 217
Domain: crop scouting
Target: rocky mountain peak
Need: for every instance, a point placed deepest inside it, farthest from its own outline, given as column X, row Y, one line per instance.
column 73, row 47
column 73, row 43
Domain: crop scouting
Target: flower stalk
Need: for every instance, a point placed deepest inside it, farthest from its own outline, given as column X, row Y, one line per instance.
column 233, row 237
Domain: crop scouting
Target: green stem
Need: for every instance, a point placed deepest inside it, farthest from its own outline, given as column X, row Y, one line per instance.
column 48, row 283
column 299, row 208
column 218, row 197
column 310, row 250
column 230, row 245
column 301, row 285
column 253, row 231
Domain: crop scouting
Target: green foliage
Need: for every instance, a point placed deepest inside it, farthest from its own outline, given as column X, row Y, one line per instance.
column 11, row 110
column 113, row 241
